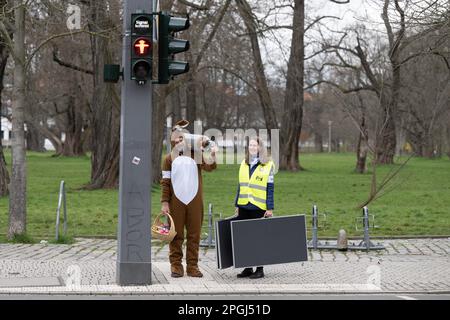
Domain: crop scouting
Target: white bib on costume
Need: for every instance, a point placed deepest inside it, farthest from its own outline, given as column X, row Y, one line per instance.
column 184, row 178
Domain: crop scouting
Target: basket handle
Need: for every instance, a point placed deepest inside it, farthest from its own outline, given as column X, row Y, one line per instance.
column 162, row 214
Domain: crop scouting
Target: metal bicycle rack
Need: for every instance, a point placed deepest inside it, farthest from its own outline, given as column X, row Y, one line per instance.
column 368, row 221
column 61, row 201
column 209, row 242
column 314, row 243
column 366, row 243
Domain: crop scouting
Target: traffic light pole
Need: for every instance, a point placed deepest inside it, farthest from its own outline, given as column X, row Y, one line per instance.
column 133, row 245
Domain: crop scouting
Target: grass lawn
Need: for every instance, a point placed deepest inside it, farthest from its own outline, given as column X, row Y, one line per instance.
column 418, row 205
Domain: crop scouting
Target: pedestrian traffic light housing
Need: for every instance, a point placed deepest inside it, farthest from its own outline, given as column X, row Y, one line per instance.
column 141, row 47
column 169, row 46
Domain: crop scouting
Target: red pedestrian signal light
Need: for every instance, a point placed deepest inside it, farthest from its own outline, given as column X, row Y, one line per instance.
column 142, row 47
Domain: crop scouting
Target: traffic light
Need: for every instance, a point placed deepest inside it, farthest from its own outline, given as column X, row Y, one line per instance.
column 169, row 46
column 141, row 47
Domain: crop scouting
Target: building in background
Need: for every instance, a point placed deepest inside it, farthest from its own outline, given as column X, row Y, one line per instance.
column 6, row 135
column 5, row 132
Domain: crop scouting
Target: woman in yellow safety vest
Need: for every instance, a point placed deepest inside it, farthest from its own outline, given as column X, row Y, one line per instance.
column 254, row 197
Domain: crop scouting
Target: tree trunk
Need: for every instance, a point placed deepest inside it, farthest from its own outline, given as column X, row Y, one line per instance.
column 176, row 105
column 318, row 142
column 428, row 147
column 4, row 174
column 54, row 139
column 387, row 137
column 73, row 145
column 336, row 145
column 258, row 67
column 293, row 102
column 158, row 125
column 191, row 103
column 362, row 148
column 35, row 140
column 105, row 120
column 191, row 95
column 17, row 199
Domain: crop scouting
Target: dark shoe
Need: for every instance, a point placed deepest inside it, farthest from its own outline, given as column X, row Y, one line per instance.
column 247, row 272
column 196, row 273
column 259, row 273
column 176, row 271
column 176, row 275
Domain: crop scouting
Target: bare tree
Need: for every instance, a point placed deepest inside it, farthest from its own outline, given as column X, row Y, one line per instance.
column 425, row 102
column 384, row 79
column 362, row 148
column 387, row 144
column 262, row 88
column 292, row 115
column 293, row 101
column 105, row 119
column 17, row 198
column 206, row 30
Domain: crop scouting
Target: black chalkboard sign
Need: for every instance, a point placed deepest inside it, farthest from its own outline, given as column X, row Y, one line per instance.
column 260, row 242
column 224, row 249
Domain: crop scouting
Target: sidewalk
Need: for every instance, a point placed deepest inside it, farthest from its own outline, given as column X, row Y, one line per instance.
column 406, row 266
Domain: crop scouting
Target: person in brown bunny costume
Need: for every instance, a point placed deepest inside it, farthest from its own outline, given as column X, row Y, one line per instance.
column 182, row 197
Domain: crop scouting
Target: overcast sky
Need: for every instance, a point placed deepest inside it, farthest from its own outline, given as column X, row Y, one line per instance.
column 349, row 13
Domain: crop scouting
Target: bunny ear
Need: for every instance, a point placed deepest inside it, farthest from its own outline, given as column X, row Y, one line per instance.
column 182, row 124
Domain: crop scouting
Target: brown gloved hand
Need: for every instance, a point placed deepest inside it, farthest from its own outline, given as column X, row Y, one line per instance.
column 165, row 208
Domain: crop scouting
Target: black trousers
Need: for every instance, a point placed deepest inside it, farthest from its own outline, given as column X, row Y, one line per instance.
column 244, row 214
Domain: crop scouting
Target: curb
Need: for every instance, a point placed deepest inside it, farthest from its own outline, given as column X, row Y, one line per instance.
column 222, row 293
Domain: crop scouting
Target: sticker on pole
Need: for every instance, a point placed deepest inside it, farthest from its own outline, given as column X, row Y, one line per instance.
column 136, row 161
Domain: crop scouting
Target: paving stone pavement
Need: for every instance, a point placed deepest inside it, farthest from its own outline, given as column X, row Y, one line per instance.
column 405, row 266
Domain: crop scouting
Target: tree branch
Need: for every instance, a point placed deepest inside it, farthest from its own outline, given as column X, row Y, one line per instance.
column 7, row 37
column 387, row 23
column 232, row 73
column 317, row 20
column 365, row 64
column 69, row 65
column 342, row 89
column 211, row 35
column 61, row 35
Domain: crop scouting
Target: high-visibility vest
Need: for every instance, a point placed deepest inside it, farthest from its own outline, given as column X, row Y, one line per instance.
column 254, row 190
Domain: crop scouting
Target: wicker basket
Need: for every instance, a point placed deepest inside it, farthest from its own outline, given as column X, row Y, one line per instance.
column 157, row 229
